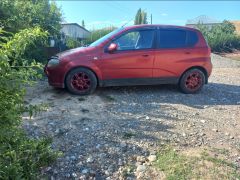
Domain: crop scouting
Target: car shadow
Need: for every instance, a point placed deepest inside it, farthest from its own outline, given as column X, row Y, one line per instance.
column 211, row 94
column 134, row 121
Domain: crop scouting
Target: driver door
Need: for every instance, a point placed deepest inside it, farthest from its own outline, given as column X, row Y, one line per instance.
column 133, row 58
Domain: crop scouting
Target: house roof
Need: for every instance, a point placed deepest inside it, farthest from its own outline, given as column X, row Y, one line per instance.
column 203, row 19
column 75, row 24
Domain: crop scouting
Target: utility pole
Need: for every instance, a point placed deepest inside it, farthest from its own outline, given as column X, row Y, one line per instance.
column 151, row 18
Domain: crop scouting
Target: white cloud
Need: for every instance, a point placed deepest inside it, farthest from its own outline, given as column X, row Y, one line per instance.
column 164, row 14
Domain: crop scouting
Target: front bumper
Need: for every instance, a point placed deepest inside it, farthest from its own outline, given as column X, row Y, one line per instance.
column 55, row 76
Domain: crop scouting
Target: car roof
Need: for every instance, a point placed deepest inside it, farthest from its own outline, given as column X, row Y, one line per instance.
column 160, row 26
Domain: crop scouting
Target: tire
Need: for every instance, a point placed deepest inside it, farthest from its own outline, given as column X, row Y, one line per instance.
column 192, row 81
column 81, row 81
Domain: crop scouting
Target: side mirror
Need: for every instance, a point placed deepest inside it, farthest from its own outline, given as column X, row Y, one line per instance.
column 112, row 47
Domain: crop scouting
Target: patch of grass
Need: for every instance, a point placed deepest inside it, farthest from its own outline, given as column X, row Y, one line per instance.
column 81, row 99
column 178, row 166
column 221, row 151
column 174, row 165
column 109, row 98
column 235, row 58
column 128, row 135
column 128, row 171
column 234, row 55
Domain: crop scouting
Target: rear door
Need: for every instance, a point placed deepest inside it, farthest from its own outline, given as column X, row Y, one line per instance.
column 174, row 52
column 134, row 57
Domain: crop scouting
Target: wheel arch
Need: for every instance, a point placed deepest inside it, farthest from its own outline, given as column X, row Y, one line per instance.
column 196, row 67
column 76, row 67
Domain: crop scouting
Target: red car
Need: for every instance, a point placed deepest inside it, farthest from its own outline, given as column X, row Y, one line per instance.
column 135, row 55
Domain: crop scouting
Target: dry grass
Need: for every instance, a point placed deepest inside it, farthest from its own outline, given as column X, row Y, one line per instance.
column 237, row 25
column 234, row 55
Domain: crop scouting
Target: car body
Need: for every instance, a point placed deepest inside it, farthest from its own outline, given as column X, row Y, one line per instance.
column 135, row 55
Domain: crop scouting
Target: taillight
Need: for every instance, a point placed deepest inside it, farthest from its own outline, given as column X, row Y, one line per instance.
column 209, row 51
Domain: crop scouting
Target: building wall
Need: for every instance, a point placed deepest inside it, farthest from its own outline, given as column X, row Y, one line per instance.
column 74, row 31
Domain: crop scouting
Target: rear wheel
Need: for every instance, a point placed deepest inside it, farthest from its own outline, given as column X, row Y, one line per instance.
column 192, row 81
column 81, row 81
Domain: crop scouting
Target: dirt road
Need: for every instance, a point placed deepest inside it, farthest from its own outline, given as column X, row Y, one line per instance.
column 121, row 127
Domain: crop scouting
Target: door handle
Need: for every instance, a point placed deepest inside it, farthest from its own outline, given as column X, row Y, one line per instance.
column 187, row 52
column 145, row 55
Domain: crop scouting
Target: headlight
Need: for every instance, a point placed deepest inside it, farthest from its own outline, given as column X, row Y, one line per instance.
column 53, row 62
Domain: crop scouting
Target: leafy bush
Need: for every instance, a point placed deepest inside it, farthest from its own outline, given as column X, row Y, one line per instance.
column 20, row 157
column 72, row 43
column 221, row 38
column 16, row 15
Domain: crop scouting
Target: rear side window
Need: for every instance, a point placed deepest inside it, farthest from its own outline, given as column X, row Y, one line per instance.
column 192, row 38
column 171, row 38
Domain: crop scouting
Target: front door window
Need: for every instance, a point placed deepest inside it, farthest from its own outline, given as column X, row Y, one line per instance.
column 141, row 39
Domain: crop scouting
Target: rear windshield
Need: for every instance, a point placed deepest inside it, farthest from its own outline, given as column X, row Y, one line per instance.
column 174, row 38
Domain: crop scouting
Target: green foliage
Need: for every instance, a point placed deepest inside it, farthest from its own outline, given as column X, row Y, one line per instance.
column 20, row 157
column 72, row 43
column 221, row 38
column 175, row 166
column 96, row 34
column 23, row 41
column 141, row 17
column 203, row 166
column 128, row 135
column 17, row 15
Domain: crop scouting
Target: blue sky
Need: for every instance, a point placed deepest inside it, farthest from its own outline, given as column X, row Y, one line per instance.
column 98, row 14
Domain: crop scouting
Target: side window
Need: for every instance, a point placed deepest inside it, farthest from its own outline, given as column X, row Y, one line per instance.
column 192, row 38
column 140, row 39
column 172, row 38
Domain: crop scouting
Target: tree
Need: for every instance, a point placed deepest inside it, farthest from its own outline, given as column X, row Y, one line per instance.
column 141, row 17
column 83, row 23
column 16, row 15
column 21, row 157
column 221, row 37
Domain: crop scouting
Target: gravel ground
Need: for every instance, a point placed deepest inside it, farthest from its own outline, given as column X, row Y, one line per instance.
column 121, row 128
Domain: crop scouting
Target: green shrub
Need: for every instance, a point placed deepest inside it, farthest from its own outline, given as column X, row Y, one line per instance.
column 16, row 15
column 20, row 156
column 72, row 43
column 221, row 38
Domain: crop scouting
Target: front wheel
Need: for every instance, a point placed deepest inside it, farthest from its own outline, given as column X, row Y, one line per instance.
column 192, row 81
column 81, row 81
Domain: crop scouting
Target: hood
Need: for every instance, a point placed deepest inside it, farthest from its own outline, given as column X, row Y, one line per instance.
column 76, row 52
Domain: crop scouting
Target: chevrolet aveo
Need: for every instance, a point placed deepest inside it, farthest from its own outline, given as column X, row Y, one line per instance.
column 135, row 55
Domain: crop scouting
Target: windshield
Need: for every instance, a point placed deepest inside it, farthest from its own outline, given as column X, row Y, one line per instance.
column 102, row 39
